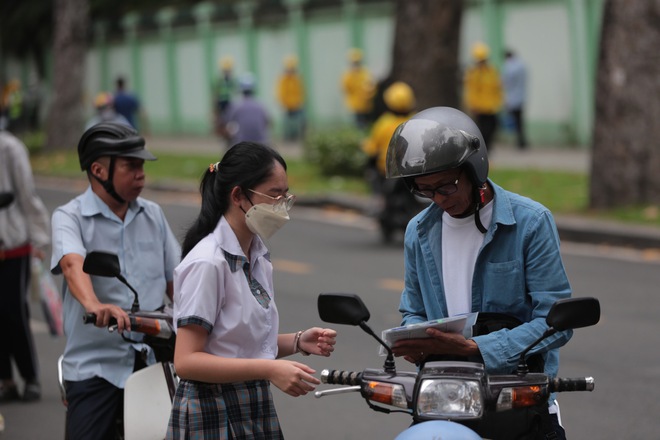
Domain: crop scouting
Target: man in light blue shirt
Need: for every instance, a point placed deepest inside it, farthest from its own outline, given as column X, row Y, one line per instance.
column 247, row 120
column 514, row 81
column 476, row 248
column 111, row 217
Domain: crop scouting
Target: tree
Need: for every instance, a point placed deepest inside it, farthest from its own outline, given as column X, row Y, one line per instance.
column 70, row 46
column 626, row 142
column 425, row 53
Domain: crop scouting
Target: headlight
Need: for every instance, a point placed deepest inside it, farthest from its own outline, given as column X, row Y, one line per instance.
column 450, row 398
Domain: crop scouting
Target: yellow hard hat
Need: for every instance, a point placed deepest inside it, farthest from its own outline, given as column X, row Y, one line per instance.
column 290, row 62
column 480, row 51
column 354, row 55
column 399, row 97
column 226, row 63
column 102, row 99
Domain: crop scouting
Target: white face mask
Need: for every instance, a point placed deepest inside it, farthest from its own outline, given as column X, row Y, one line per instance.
column 265, row 220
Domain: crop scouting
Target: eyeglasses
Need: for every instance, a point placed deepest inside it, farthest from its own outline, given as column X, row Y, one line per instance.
column 444, row 190
column 286, row 201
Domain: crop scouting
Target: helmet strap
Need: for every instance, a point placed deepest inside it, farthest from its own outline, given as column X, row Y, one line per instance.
column 480, row 196
column 107, row 184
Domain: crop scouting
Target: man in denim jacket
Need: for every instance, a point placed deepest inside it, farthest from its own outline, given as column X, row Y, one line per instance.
column 477, row 248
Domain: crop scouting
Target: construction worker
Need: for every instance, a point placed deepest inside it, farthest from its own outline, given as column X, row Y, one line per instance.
column 224, row 89
column 393, row 204
column 105, row 111
column 357, row 85
column 483, row 93
column 291, row 96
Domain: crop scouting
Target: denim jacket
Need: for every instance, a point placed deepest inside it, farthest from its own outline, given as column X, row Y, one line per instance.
column 518, row 272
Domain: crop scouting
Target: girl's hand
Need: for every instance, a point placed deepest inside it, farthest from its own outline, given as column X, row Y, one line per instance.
column 293, row 378
column 318, row 341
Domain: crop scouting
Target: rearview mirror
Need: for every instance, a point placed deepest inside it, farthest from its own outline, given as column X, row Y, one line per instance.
column 573, row 313
column 342, row 308
column 102, row 264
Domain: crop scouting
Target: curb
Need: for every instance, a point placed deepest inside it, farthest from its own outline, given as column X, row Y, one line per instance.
column 570, row 228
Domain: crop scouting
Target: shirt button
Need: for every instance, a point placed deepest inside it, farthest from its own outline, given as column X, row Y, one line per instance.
column 258, row 292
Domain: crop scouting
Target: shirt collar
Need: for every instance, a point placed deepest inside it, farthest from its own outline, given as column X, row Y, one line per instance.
column 92, row 204
column 227, row 241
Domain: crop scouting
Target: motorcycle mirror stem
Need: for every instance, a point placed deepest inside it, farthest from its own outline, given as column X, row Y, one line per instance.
column 105, row 264
column 565, row 314
column 389, row 366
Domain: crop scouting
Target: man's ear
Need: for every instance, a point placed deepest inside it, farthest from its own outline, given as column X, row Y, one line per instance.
column 98, row 170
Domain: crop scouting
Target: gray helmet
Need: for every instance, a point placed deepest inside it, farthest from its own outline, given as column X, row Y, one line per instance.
column 110, row 139
column 437, row 139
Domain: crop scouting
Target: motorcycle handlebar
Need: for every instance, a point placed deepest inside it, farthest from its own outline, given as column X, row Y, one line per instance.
column 149, row 326
column 341, row 377
column 90, row 318
column 561, row 384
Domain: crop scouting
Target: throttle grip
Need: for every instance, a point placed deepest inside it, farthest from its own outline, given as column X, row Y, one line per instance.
column 90, row 318
column 340, row 377
column 559, row 384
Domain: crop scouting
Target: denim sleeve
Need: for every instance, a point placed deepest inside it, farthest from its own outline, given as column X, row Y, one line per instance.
column 411, row 305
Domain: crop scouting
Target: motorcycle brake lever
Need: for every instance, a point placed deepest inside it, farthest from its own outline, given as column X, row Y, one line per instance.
column 319, row 394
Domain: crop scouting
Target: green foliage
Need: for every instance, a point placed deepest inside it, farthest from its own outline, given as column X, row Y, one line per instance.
column 33, row 140
column 560, row 191
column 336, row 152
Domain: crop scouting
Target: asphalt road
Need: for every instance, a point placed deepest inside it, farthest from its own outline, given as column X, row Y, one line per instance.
column 330, row 251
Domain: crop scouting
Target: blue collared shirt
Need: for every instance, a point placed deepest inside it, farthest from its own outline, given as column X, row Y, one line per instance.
column 518, row 272
column 148, row 253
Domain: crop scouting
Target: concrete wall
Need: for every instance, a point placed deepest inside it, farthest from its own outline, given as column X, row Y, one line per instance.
column 169, row 66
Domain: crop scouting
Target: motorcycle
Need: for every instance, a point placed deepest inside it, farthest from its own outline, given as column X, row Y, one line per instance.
column 444, row 394
column 148, row 392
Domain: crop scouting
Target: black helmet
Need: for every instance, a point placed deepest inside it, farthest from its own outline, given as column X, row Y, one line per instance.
column 437, row 139
column 110, row 139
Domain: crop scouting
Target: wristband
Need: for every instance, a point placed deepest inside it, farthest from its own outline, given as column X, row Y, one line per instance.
column 296, row 344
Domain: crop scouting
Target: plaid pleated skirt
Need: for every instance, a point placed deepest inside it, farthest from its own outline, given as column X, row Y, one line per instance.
column 240, row 411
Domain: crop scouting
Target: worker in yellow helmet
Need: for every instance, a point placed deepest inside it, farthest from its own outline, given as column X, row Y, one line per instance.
column 223, row 91
column 291, row 96
column 391, row 197
column 104, row 111
column 482, row 92
column 357, row 85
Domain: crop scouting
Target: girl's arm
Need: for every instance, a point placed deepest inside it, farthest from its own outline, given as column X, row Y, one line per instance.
column 315, row 340
column 193, row 363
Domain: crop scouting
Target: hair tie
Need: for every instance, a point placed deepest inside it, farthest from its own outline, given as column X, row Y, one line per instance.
column 214, row 167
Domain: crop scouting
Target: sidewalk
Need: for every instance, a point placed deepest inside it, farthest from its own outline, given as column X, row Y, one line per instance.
column 571, row 228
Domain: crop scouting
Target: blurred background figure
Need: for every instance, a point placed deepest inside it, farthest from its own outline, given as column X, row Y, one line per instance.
column 483, row 93
column 378, row 106
column 105, row 111
column 393, row 203
column 11, row 106
column 514, row 80
column 224, row 90
column 358, row 88
column 291, row 97
column 126, row 103
column 24, row 234
column 247, row 119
